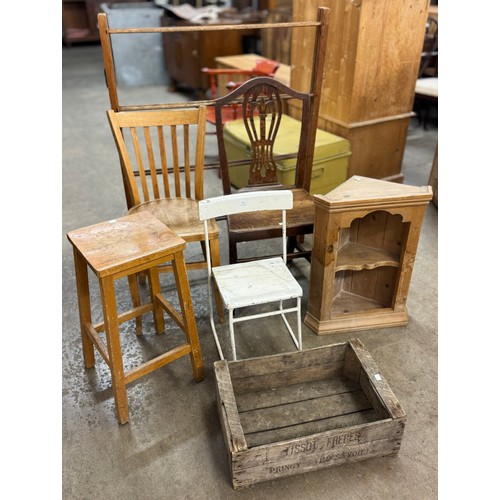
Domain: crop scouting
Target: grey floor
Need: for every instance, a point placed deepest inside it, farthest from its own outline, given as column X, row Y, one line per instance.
column 173, row 448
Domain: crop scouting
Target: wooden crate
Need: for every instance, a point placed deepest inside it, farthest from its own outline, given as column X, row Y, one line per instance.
column 292, row 413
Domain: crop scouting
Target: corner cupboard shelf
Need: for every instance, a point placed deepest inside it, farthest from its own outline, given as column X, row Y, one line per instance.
column 366, row 234
column 356, row 257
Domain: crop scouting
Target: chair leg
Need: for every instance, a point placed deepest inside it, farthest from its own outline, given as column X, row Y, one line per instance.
column 295, row 249
column 291, row 244
column 211, row 316
column 427, row 108
column 297, row 340
column 186, row 305
column 204, row 249
column 418, row 110
column 231, row 333
column 299, row 324
column 136, row 301
column 84, row 309
column 215, row 258
column 115, row 361
column 233, row 251
column 154, row 288
column 142, row 278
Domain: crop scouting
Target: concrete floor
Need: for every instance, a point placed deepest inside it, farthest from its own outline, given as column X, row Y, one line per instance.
column 173, row 448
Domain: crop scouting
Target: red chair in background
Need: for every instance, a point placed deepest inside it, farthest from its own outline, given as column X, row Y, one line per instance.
column 263, row 67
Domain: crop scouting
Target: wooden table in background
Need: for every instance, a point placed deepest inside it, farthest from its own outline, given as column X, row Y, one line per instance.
column 246, row 61
column 187, row 52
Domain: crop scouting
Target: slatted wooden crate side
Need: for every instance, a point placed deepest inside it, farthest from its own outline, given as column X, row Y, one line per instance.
column 316, row 451
column 286, row 369
column 228, row 410
column 283, row 378
column 290, row 451
column 352, row 365
column 284, row 363
column 374, row 384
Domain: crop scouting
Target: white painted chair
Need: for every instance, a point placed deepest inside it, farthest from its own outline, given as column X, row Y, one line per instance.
column 256, row 282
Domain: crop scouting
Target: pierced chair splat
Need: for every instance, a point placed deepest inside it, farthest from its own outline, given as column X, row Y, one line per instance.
column 263, row 67
column 253, row 283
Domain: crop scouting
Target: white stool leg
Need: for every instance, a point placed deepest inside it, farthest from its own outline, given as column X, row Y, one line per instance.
column 299, row 324
column 231, row 333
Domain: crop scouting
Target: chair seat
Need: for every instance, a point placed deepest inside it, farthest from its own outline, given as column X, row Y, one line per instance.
column 180, row 215
column 253, row 283
column 299, row 220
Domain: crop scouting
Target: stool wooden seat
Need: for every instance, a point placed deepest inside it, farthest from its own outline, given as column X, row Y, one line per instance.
column 121, row 248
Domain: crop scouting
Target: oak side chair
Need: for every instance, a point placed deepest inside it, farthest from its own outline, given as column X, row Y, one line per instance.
column 252, row 283
column 264, row 101
column 156, row 159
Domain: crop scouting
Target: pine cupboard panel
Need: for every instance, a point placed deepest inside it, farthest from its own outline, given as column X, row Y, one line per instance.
column 371, row 66
column 372, row 60
column 388, row 57
column 377, row 147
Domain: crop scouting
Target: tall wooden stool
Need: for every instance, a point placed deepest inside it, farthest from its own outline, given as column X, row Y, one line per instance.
column 121, row 248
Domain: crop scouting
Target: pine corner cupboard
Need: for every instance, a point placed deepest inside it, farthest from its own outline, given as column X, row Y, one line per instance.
column 366, row 234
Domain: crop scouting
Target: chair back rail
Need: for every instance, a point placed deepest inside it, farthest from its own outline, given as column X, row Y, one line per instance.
column 262, row 100
column 155, row 149
column 245, row 202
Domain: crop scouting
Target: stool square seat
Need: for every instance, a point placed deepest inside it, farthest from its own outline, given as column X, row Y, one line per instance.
column 120, row 244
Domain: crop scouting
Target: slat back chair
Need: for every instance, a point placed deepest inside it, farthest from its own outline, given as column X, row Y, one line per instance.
column 162, row 159
column 264, row 101
column 253, row 283
column 157, row 154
